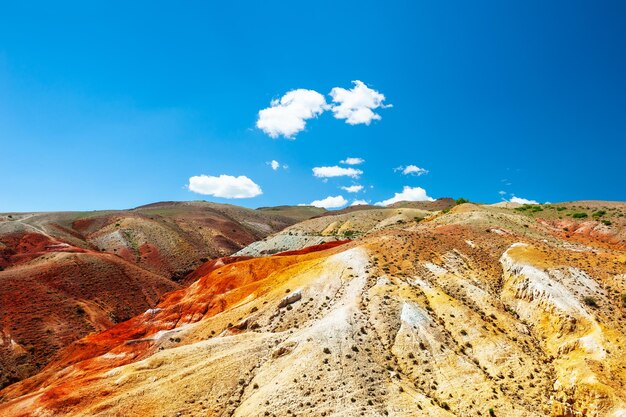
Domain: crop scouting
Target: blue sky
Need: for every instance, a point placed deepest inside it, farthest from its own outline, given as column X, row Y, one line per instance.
column 113, row 105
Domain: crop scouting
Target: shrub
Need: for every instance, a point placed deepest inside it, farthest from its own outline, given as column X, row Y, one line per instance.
column 533, row 208
column 590, row 301
column 624, row 299
column 579, row 215
column 599, row 213
column 461, row 201
column 560, row 208
column 606, row 222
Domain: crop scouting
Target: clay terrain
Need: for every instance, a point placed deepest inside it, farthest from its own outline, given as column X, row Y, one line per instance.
column 455, row 310
column 66, row 275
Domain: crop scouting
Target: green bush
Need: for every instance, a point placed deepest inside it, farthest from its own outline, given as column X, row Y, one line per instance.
column 461, row 201
column 579, row 215
column 533, row 208
column 599, row 213
column 606, row 222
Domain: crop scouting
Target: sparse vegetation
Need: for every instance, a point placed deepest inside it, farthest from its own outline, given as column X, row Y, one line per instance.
column 531, row 208
column 579, row 215
column 599, row 213
column 461, row 200
column 590, row 301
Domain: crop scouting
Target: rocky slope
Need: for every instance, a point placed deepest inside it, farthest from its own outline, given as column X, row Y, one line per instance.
column 345, row 224
column 478, row 311
column 65, row 275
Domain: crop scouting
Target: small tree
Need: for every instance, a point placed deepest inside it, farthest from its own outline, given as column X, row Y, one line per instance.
column 461, row 201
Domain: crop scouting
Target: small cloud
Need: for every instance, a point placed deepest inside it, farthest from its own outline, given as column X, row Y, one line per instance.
column 288, row 116
column 352, row 161
column 522, row 200
column 330, row 202
column 353, row 188
column 411, row 170
column 359, row 203
column 407, row 194
column 225, row 186
column 356, row 105
column 502, row 192
column 336, row 171
column 276, row 165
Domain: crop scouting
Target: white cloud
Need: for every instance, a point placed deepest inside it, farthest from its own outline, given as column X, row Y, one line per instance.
column 522, row 200
column 336, row 171
column 352, row 161
column 502, row 192
column 356, row 105
column 407, row 194
column 412, row 170
column 225, row 186
column 276, row 165
column 287, row 116
column 330, row 202
column 353, row 188
column 359, row 203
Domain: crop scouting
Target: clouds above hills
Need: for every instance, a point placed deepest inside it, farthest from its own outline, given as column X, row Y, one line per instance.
column 352, row 161
column 353, row 188
column 330, row 202
column 225, row 186
column 521, row 200
column 336, row 171
column 357, row 105
column 288, row 115
column 411, row 170
column 407, row 194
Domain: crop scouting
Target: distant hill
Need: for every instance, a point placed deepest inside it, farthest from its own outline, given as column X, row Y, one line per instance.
column 438, row 204
column 297, row 213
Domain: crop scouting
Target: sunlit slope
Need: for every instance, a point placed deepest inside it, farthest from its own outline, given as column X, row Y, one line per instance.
column 468, row 312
